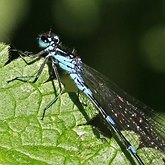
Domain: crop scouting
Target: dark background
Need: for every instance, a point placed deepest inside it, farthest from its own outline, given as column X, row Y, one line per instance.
column 123, row 39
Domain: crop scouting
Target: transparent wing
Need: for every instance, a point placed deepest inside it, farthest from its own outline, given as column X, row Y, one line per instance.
column 128, row 112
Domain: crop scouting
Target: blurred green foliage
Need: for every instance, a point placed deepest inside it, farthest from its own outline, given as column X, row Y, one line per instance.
column 124, row 40
column 11, row 13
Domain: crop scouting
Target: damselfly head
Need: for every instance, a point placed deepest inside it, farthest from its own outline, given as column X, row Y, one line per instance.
column 48, row 39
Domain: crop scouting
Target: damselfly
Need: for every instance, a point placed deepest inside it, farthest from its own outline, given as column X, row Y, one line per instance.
column 119, row 110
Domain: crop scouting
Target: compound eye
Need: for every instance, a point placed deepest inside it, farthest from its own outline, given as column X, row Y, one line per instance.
column 43, row 41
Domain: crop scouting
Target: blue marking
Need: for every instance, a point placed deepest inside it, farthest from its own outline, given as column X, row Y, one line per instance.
column 66, row 67
column 80, row 84
column 132, row 149
column 64, row 60
column 65, row 63
column 110, row 120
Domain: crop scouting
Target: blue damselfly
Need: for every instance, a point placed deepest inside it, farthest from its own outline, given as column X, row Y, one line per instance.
column 119, row 110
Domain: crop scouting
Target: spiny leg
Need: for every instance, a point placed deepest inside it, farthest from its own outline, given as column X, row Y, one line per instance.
column 41, row 69
column 57, row 75
column 28, row 54
column 56, row 98
column 50, row 104
column 20, row 78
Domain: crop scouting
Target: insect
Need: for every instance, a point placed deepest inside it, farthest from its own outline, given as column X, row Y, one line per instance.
column 119, row 110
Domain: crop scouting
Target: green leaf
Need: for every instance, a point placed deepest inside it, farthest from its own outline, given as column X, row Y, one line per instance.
column 62, row 137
